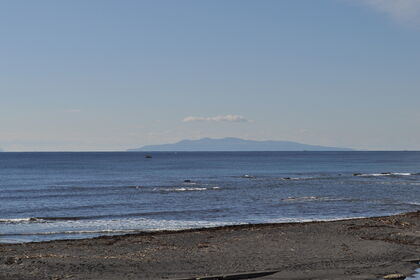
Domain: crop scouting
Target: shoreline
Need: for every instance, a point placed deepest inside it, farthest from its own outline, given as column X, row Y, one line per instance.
column 354, row 248
column 139, row 232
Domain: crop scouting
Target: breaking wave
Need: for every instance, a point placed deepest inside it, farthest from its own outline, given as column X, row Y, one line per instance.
column 309, row 198
column 108, row 217
column 186, row 189
column 384, row 174
column 99, row 232
column 17, row 220
column 37, row 220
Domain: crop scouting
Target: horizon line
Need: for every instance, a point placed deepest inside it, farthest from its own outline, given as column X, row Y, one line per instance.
column 196, row 151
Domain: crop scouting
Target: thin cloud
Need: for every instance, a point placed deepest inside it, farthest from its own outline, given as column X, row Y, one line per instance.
column 406, row 11
column 226, row 118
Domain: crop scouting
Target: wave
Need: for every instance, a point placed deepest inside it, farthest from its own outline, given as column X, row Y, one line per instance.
column 54, row 191
column 412, row 203
column 385, row 174
column 75, row 207
column 332, row 176
column 57, row 195
column 301, row 178
column 185, row 189
column 37, row 220
column 105, row 231
column 298, row 177
column 75, row 192
column 169, row 225
column 108, row 216
column 320, row 198
column 64, row 189
column 17, row 220
column 385, row 201
column 43, row 193
column 308, row 198
column 286, row 178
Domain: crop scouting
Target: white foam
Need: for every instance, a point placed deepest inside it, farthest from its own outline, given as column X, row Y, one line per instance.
column 106, row 231
column 185, row 189
column 413, row 203
column 92, row 228
column 20, row 220
column 306, row 220
column 385, row 174
column 308, row 198
column 103, row 227
column 17, row 220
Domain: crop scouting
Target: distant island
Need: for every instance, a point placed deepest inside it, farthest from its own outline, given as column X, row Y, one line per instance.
column 233, row 144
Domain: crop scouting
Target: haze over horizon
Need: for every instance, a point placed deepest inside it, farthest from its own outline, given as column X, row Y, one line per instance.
column 106, row 75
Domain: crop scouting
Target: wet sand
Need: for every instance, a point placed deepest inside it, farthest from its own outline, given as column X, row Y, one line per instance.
column 350, row 249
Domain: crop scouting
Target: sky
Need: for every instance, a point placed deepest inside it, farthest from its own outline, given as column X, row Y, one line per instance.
column 108, row 75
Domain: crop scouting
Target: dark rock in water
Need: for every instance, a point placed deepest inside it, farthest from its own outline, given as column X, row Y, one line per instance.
column 287, row 178
column 148, row 156
column 386, row 173
column 187, row 181
column 357, row 174
column 396, row 276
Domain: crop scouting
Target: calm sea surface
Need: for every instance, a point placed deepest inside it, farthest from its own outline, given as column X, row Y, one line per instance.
column 46, row 196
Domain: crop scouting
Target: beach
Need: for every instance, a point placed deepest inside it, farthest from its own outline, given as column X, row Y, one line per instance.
column 208, row 140
column 366, row 248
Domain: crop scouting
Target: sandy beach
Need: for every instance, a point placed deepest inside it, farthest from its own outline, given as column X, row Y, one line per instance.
column 349, row 249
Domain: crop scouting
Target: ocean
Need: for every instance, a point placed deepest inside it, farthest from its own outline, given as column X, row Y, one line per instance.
column 49, row 196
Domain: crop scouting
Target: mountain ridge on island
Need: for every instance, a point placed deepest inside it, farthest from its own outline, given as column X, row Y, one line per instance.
column 231, row 144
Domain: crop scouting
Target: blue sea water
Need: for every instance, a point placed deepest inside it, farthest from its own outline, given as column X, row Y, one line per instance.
column 47, row 196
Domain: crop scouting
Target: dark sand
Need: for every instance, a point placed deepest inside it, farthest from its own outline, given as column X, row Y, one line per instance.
column 349, row 249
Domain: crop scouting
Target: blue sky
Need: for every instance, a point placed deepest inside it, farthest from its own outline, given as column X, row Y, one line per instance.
column 112, row 75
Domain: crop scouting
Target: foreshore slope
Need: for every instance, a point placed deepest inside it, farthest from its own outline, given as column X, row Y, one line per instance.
column 366, row 248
